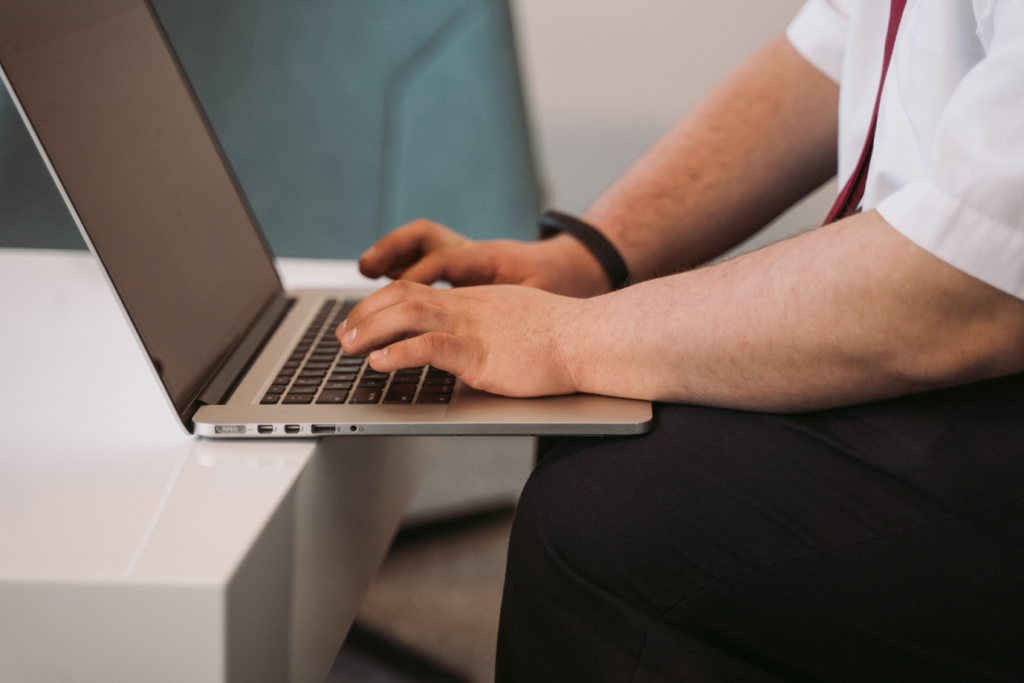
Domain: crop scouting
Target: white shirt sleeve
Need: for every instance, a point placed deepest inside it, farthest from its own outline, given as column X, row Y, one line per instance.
column 819, row 32
column 968, row 209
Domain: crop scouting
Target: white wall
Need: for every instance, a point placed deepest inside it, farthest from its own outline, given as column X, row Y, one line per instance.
column 604, row 79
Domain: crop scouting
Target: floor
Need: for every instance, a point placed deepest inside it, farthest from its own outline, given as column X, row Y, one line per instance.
column 432, row 612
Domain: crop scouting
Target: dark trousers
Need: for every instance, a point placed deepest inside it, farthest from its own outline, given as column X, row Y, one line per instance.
column 881, row 542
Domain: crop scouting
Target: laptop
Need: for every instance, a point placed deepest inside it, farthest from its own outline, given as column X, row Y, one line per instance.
column 145, row 179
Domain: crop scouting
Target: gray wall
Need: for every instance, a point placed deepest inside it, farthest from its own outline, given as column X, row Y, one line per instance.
column 605, row 78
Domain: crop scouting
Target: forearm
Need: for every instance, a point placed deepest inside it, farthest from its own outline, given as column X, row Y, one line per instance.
column 845, row 314
column 760, row 142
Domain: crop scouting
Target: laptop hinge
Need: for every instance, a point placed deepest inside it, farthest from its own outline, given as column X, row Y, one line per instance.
column 230, row 373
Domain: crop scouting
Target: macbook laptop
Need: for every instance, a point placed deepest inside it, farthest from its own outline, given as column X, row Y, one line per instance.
column 137, row 163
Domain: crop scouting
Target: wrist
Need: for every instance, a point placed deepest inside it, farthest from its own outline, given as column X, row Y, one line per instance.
column 568, row 339
column 600, row 248
column 577, row 270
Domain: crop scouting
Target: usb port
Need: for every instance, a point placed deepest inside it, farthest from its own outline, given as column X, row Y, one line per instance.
column 324, row 429
column 265, row 429
column 291, row 429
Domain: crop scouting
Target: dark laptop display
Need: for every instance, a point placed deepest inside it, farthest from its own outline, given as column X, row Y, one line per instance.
column 119, row 123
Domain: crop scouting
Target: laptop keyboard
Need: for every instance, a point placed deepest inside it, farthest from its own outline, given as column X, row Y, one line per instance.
column 317, row 371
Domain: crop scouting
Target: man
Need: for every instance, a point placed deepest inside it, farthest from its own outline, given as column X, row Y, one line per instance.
column 834, row 488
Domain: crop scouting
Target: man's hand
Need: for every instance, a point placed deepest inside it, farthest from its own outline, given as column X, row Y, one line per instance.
column 503, row 339
column 426, row 252
column 758, row 143
column 848, row 313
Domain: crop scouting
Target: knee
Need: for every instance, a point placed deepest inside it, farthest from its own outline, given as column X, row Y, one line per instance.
column 561, row 525
column 541, row 504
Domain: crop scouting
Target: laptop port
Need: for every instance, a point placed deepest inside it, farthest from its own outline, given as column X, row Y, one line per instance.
column 324, row 429
column 291, row 429
column 265, row 429
column 236, row 430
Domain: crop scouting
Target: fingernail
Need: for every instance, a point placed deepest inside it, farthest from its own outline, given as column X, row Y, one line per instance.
column 378, row 355
column 350, row 337
column 368, row 252
column 341, row 327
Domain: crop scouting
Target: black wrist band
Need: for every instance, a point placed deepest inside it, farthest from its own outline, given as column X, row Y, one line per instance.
column 554, row 222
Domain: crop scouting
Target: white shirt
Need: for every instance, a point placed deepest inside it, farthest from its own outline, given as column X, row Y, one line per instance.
column 947, row 170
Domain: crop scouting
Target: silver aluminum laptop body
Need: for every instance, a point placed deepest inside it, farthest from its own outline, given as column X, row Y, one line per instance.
column 131, row 152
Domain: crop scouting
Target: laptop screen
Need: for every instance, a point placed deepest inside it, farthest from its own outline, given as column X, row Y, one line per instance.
column 137, row 159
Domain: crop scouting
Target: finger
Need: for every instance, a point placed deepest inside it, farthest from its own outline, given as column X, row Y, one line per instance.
column 461, row 266
column 404, row 319
column 394, row 293
column 429, row 269
column 405, row 246
column 441, row 350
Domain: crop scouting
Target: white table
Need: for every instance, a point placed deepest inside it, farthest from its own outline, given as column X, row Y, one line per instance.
column 143, row 554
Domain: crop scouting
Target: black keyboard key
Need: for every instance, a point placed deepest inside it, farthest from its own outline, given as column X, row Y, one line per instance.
column 355, row 357
column 332, row 397
column 405, row 381
column 434, row 398
column 278, row 388
column 298, row 399
column 271, row 399
column 438, row 372
column 366, row 395
column 332, row 385
column 414, row 372
column 292, row 364
column 308, row 381
column 317, row 365
column 372, row 382
column 305, row 390
column 313, row 373
column 285, row 375
column 442, row 381
column 436, row 389
column 400, row 393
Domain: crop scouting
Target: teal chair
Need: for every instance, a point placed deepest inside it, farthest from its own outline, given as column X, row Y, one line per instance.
column 342, row 119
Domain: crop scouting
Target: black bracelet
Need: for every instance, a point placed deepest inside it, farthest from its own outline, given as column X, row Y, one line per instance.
column 553, row 222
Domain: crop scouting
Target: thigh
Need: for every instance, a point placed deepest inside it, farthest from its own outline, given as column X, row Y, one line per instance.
column 878, row 541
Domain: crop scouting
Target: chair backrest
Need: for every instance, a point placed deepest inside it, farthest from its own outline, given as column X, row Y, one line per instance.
column 341, row 118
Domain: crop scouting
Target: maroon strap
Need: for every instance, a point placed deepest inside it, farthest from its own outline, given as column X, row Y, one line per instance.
column 849, row 199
